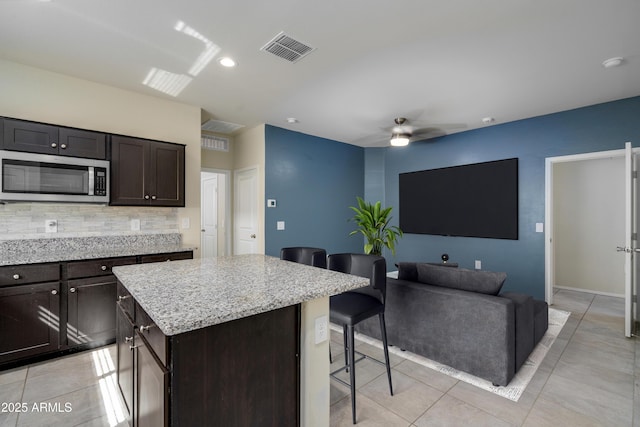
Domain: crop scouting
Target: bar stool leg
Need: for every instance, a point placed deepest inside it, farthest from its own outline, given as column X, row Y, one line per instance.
column 345, row 336
column 383, row 329
column 352, row 373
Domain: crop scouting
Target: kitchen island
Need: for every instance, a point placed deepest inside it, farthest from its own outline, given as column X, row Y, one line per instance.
column 229, row 339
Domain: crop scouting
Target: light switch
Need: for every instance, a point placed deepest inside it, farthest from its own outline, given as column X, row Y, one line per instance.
column 280, row 225
column 478, row 264
column 539, row 227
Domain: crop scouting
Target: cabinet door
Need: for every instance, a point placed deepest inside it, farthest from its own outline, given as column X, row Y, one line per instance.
column 124, row 369
column 152, row 388
column 128, row 156
column 91, row 310
column 31, row 137
column 165, row 181
column 29, row 320
column 82, row 143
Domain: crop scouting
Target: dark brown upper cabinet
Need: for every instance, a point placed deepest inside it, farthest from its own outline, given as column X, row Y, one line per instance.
column 32, row 137
column 146, row 173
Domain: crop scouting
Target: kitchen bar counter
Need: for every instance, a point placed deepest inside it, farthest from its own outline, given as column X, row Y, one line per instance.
column 36, row 251
column 242, row 340
column 187, row 295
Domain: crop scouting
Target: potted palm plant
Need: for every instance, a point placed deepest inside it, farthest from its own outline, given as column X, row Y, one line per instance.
column 373, row 223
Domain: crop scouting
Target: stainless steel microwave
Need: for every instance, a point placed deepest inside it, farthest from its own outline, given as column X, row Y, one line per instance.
column 47, row 178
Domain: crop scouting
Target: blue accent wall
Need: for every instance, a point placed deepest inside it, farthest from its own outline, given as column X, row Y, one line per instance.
column 314, row 181
column 596, row 128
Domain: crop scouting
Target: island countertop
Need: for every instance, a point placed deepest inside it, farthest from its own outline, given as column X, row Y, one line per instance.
column 181, row 296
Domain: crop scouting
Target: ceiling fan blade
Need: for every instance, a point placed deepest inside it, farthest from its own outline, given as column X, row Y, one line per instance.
column 427, row 133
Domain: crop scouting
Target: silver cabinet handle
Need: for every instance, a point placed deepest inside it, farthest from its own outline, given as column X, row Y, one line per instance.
column 146, row 197
column 128, row 339
column 132, row 347
column 153, row 197
column 72, row 290
column 123, row 297
column 54, row 145
column 144, row 328
column 54, row 292
column 63, row 146
column 103, row 268
column 16, row 276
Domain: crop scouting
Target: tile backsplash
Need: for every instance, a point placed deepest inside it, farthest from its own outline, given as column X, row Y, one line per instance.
column 27, row 220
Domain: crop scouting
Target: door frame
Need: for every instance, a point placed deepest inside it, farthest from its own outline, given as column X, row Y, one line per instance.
column 227, row 204
column 549, row 267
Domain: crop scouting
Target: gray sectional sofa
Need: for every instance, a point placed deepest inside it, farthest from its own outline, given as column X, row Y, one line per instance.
column 459, row 317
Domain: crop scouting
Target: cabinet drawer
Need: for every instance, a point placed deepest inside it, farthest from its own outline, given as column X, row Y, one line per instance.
column 174, row 256
column 97, row 267
column 154, row 336
column 32, row 273
column 125, row 300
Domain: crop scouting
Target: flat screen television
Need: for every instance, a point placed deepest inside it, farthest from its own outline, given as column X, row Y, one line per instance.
column 476, row 200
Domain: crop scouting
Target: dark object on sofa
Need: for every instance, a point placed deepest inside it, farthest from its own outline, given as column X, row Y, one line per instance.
column 460, row 319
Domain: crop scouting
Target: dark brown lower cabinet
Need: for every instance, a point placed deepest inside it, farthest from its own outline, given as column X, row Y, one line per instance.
column 152, row 387
column 90, row 313
column 125, row 359
column 29, row 320
column 242, row 373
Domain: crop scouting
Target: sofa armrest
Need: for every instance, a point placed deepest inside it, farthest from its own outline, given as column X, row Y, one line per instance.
column 524, row 325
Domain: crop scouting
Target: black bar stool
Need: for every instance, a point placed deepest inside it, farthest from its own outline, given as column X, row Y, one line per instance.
column 350, row 308
column 315, row 257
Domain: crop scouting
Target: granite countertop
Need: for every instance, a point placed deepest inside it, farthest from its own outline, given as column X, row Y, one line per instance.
column 182, row 296
column 37, row 251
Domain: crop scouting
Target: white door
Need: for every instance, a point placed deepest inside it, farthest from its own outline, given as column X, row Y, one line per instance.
column 209, row 214
column 631, row 242
column 246, row 211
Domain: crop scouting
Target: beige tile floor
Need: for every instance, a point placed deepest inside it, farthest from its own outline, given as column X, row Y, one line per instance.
column 590, row 377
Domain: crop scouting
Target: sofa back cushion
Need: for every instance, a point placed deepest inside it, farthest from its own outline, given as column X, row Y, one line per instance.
column 484, row 282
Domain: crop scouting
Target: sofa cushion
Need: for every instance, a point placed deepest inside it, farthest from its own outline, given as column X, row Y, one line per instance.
column 484, row 282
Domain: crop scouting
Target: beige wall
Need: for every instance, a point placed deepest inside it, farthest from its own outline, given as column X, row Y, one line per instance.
column 34, row 94
column 588, row 225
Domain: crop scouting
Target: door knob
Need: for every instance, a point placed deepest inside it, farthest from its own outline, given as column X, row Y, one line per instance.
column 622, row 249
column 253, row 236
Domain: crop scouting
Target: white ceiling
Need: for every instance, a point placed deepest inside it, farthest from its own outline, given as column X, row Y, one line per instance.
column 438, row 62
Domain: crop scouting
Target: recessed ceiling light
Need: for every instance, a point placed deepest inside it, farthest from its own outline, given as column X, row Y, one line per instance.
column 488, row 120
column 225, row 61
column 292, row 120
column 612, row 62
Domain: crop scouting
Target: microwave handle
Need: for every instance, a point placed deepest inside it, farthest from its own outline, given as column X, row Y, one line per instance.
column 91, row 180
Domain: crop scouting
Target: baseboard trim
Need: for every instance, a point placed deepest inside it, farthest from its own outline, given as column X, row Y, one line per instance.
column 589, row 291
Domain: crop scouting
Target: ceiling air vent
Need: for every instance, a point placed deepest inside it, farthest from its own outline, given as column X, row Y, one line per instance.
column 287, row 48
column 218, row 126
column 214, row 143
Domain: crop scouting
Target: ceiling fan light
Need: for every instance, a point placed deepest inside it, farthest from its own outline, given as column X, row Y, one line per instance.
column 400, row 139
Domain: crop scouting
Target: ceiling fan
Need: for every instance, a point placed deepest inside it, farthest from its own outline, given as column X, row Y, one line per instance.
column 402, row 133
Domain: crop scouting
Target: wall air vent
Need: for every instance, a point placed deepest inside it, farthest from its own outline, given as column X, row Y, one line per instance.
column 215, row 143
column 218, row 126
column 287, row 48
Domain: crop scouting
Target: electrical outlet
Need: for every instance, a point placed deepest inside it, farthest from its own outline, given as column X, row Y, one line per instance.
column 186, row 223
column 478, row 264
column 322, row 329
column 135, row 225
column 280, row 225
column 51, row 225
